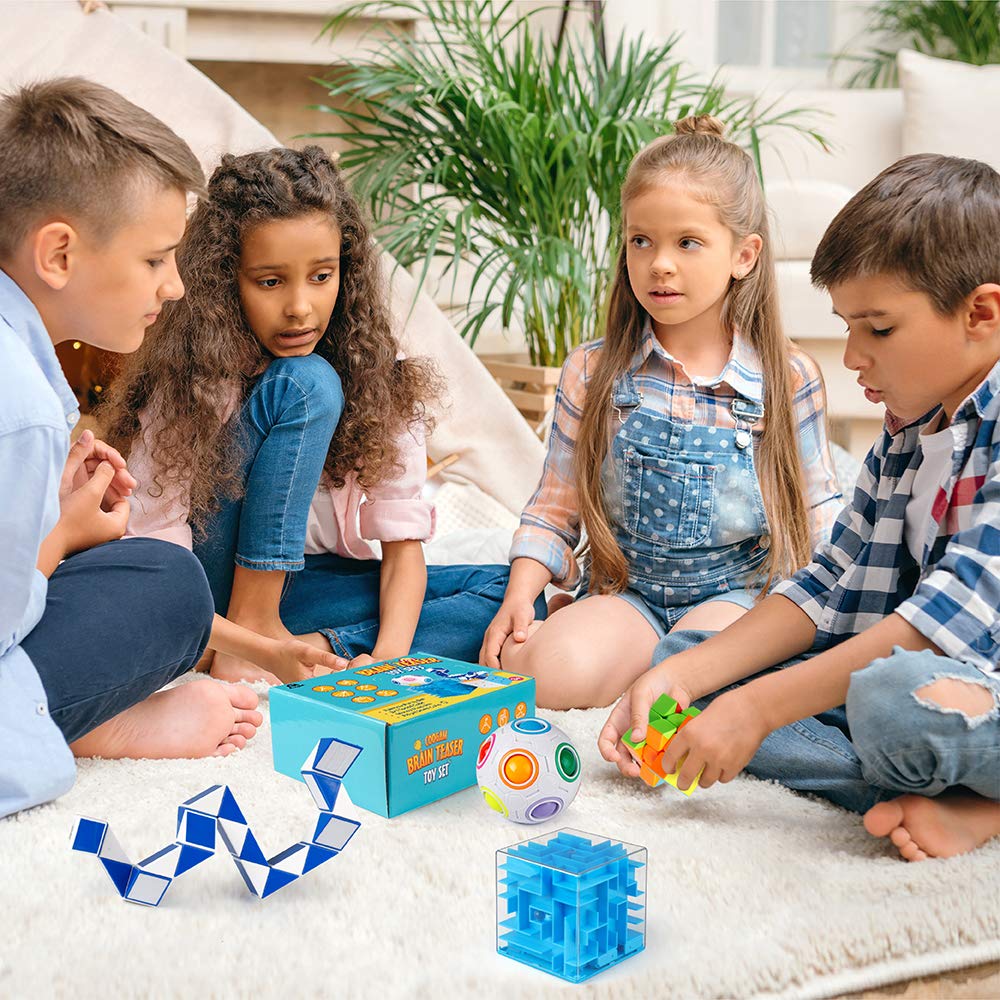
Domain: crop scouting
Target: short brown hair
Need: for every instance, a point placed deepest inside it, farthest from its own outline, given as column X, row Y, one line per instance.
column 931, row 221
column 69, row 145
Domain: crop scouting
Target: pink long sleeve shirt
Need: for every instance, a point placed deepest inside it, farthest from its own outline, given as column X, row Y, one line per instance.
column 341, row 521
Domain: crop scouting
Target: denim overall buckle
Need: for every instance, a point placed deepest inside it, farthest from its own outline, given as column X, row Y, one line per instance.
column 746, row 413
column 624, row 395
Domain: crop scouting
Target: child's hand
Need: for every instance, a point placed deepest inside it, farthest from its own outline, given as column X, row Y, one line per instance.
column 84, row 457
column 293, row 658
column 83, row 521
column 361, row 660
column 632, row 712
column 719, row 742
column 512, row 619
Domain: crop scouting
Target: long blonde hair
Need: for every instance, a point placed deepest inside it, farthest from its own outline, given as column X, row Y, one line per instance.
column 723, row 175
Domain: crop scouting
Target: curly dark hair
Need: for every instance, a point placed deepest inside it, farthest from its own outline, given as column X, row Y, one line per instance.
column 201, row 350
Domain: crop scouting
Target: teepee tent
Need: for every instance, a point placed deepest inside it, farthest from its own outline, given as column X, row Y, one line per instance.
column 496, row 448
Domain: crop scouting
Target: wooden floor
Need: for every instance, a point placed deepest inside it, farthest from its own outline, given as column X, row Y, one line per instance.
column 980, row 982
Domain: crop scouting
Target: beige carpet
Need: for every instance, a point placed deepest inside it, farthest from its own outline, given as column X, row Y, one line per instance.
column 753, row 891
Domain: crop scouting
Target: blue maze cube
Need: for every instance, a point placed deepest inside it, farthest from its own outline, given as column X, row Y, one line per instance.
column 570, row 903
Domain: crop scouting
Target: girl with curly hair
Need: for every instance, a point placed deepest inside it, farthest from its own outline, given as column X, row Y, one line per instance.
column 274, row 426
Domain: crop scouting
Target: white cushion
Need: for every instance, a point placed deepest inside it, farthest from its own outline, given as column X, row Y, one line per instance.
column 801, row 210
column 863, row 128
column 950, row 107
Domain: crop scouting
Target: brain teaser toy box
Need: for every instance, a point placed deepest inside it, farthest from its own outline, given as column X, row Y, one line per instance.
column 418, row 719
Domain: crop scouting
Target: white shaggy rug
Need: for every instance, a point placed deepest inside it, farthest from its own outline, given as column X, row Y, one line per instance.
column 753, row 891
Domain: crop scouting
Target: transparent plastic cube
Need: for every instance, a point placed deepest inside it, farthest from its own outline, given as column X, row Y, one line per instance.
column 571, row 903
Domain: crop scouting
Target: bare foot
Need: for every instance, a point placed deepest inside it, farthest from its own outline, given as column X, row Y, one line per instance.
column 226, row 667
column 316, row 639
column 952, row 823
column 200, row 719
column 293, row 666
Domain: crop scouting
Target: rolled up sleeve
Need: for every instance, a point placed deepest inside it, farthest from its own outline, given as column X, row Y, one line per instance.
column 550, row 524
column 395, row 511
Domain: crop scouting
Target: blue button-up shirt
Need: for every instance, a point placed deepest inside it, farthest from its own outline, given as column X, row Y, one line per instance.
column 37, row 411
column 949, row 591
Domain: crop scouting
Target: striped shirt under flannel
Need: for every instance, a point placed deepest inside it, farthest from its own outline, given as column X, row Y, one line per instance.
column 949, row 592
column 550, row 525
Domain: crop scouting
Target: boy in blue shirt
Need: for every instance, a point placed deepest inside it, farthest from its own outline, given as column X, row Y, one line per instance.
column 92, row 204
column 878, row 665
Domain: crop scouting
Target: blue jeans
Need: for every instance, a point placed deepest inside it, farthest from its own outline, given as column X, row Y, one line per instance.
column 286, row 426
column 284, row 430
column 121, row 620
column 885, row 741
column 340, row 598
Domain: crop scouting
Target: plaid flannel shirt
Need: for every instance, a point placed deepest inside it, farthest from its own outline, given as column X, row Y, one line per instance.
column 550, row 524
column 950, row 591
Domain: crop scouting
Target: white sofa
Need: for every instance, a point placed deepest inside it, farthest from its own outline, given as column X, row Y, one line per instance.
column 943, row 107
column 806, row 187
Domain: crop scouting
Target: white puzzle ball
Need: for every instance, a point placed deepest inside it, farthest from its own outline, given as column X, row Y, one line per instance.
column 528, row 771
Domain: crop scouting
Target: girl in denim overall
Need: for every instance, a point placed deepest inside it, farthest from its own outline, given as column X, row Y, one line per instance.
column 688, row 449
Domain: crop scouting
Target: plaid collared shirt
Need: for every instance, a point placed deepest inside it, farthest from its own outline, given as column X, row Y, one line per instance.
column 950, row 591
column 550, row 525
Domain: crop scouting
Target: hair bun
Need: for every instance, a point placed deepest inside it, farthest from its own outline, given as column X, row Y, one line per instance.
column 700, row 125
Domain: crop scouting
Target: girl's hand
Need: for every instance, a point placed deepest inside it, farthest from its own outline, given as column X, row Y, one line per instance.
column 632, row 712
column 512, row 619
column 293, row 658
column 719, row 742
column 362, row 660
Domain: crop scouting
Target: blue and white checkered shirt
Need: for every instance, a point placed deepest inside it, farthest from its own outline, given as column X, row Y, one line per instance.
column 950, row 591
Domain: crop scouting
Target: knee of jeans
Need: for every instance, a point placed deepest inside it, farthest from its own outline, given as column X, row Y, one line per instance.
column 677, row 642
column 893, row 740
column 875, row 692
column 318, row 382
column 183, row 596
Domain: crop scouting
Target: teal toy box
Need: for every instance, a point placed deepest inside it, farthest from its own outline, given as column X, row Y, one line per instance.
column 418, row 719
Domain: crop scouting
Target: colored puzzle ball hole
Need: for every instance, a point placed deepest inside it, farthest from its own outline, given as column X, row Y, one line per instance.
column 528, row 771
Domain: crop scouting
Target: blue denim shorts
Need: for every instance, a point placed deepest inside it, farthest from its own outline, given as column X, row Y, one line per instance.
column 743, row 598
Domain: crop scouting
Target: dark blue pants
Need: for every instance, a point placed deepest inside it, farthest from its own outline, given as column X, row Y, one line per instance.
column 121, row 620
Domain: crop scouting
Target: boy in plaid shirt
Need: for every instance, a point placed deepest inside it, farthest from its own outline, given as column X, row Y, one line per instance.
column 875, row 670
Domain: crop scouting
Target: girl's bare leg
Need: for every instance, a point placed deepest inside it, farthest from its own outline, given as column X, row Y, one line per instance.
column 586, row 654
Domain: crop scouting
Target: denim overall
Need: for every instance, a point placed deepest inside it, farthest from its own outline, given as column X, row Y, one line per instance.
column 684, row 503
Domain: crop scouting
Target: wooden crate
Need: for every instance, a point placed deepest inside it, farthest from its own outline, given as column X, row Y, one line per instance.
column 531, row 388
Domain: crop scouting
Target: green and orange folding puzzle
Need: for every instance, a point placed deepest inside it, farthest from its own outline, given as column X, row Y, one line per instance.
column 666, row 719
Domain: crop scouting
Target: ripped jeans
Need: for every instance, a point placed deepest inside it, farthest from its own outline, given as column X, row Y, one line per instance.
column 886, row 741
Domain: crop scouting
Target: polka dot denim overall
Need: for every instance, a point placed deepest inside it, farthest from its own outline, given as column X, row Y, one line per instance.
column 685, row 502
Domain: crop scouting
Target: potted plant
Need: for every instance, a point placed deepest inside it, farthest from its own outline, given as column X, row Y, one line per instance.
column 482, row 141
column 964, row 30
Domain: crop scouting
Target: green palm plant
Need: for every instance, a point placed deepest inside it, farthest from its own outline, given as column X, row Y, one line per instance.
column 964, row 30
column 483, row 141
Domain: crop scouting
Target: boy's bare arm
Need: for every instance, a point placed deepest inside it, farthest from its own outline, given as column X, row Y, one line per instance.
column 821, row 682
column 772, row 632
